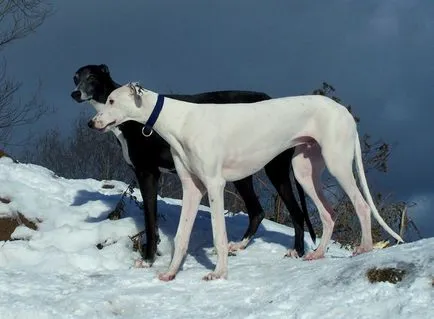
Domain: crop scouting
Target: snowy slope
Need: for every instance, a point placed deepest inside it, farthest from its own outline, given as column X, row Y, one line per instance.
column 59, row 273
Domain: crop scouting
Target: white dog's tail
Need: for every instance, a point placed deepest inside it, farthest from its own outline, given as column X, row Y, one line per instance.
column 367, row 193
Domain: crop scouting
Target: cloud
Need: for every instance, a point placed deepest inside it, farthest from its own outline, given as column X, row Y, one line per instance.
column 385, row 21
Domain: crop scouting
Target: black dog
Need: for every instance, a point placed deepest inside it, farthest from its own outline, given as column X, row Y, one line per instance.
column 149, row 155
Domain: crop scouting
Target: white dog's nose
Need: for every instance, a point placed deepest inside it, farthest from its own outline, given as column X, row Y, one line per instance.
column 91, row 124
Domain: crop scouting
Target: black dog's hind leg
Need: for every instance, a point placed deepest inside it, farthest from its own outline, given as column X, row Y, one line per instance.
column 302, row 197
column 148, row 183
column 277, row 171
column 254, row 210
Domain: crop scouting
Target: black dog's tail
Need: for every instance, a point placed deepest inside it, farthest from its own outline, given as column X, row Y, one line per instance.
column 302, row 197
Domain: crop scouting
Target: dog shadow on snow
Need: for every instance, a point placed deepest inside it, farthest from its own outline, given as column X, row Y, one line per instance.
column 201, row 240
column 84, row 197
column 131, row 210
column 201, row 246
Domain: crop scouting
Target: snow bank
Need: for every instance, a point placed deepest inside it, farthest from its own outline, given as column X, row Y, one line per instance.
column 58, row 272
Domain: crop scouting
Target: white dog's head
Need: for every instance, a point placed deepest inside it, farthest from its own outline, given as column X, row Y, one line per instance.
column 122, row 105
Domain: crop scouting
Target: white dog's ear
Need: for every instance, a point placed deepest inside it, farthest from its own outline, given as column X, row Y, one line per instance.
column 137, row 100
column 136, row 93
column 131, row 87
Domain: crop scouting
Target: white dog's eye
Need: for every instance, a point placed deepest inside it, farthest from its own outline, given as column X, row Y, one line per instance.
column 111, row 101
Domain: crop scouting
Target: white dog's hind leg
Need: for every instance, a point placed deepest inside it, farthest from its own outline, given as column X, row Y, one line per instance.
column 192, row 192
column 339, row 159
column 215, row 189
column 308, row 166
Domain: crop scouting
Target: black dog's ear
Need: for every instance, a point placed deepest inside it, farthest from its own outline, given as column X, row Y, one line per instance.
column 104, row 68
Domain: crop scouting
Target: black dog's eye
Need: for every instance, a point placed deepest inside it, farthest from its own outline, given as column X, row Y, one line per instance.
column 111, row 101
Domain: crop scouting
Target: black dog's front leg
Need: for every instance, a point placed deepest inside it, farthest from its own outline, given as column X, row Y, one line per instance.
column 148, row 184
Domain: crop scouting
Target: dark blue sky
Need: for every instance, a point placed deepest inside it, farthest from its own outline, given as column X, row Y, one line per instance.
column 377, row 54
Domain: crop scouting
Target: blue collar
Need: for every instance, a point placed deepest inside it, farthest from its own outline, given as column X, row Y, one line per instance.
column 147, row 129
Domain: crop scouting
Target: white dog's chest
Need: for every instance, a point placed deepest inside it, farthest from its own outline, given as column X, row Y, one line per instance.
column 124, row 145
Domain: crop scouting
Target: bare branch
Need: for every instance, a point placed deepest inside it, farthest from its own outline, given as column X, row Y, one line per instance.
column 19, row 18
column 14, row 113
column 84, row 154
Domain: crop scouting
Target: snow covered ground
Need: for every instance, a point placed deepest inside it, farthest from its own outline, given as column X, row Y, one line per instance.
column 58, row 272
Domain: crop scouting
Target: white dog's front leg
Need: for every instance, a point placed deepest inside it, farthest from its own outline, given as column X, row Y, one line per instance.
column 192, row 192
column 216, row 199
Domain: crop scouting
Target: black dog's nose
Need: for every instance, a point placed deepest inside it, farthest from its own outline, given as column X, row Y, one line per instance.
column 90, row 123
column 76, row 95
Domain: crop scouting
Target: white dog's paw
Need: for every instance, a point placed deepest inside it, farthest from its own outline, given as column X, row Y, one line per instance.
column 168, row 276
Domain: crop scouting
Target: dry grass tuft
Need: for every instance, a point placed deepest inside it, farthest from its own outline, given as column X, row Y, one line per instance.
column 392, row 275
column 5, row 200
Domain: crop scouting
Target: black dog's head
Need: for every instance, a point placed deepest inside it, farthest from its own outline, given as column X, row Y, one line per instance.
column 92, row 82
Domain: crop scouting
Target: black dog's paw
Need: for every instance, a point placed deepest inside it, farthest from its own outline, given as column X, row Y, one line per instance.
column 213, row 252
column 148, row 255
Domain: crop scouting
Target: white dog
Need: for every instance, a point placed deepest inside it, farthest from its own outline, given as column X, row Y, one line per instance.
column 212, row 144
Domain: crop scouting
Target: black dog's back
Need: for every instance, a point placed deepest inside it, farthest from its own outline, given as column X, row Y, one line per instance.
column 222, row 97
